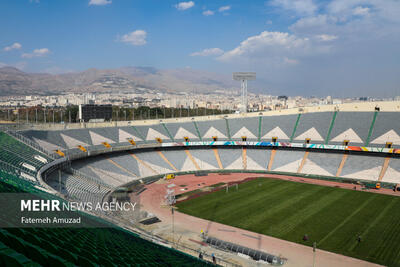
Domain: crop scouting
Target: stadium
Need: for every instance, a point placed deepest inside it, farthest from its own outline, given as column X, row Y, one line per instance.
column 233, row 190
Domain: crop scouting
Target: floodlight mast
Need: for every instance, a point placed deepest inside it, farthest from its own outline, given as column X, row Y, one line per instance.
column 244, row 77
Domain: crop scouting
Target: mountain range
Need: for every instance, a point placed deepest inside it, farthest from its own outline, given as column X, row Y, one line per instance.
column 16, row 82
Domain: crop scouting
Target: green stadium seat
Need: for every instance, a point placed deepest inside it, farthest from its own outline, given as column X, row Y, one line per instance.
column 85, row 247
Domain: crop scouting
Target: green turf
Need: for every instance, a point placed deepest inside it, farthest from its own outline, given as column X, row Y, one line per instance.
column 332, row 217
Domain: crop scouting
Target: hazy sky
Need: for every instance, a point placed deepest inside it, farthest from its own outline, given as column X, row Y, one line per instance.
column 297, row 47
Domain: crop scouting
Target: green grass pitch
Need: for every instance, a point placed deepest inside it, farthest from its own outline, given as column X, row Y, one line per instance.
column 332, row 217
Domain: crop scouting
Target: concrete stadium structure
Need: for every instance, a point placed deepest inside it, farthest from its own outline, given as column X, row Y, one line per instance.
column 358, row 142
column 303, row 136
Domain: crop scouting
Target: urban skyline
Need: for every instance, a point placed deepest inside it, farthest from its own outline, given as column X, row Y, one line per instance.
column 301, row 47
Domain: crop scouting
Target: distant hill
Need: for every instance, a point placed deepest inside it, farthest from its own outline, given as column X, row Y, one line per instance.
column 16, row 82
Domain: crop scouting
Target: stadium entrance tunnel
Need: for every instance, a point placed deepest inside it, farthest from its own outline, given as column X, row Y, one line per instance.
column 252, row 253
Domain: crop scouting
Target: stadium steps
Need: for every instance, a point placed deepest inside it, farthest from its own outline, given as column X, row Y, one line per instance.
column 167, row 161
column 15, row 159
column 287, row 161
column 83, row 247
column 231, row 158
column 271, row 160
column 384, row 168
column 9, row 141
column 197, row 130
column 216, row 154
column 192, row 159
column 371, row 128
column 228, row 131
column 386, row 128
column 335, row 124
column 126, row 161
column 139, row 134
column 15, row 156
column 257, row 159
column 108, row 172
column 352, row 126
column 328, row 136
column 169, row 134
column 9, row 257
column 141, row 162
column 204, row 158
column 303, row 161
column 244, row 158
column 121, row 167
column 77, row 188
column 342, row 163
column 364, row 167
column 295, row 127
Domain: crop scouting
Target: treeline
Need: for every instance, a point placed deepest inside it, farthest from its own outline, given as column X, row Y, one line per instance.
column 70, row 114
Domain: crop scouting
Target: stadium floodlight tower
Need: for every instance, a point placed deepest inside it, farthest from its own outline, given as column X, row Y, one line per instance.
column 244, row 77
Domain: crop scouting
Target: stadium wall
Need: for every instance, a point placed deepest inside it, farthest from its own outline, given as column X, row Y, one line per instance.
column 385, row 106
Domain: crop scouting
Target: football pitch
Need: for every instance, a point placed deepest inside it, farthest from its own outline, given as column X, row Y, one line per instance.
column 333, row 217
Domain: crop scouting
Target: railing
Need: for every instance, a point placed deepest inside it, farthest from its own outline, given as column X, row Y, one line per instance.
column 88, row 178
column 64, row 163
column 142, row 233
column 150, row 237
column 16, row 170
column 93, row 151
column 219, row 261
column 29, row 142
column 97, row 151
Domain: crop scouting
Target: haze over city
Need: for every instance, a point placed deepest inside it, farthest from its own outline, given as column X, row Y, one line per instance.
column 304, row 47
